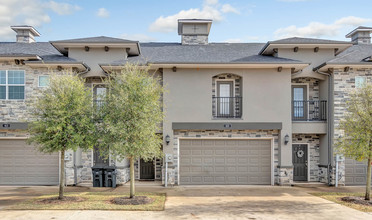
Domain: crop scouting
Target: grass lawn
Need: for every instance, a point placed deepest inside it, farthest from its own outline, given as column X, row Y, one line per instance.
column 336, row 197
column 93, row 201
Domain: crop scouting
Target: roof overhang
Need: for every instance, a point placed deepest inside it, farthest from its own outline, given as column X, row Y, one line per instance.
column 19, row 56
column 133, row 49
column 268, row 49
column 296, row 66
column 326, row 66
column 35, row 64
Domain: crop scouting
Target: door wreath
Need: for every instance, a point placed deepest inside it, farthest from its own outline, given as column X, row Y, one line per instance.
column 300, row 153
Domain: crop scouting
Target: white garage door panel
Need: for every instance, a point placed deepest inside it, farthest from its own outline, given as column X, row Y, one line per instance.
column 238, row 162
column 22, row 164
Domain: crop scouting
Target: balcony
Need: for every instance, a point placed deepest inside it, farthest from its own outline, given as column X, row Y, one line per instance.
column 227, row 107
column 309, row 110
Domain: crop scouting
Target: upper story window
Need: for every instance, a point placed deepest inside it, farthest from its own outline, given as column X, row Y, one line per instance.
column 226, row 96
column 12, row 84
column 43, row 81
column 360, row 81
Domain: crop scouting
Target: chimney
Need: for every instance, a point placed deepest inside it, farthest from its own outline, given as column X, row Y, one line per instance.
column 360, row 35
column 25, row 33
column 194, row 31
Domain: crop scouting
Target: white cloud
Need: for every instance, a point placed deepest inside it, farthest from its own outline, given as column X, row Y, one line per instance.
column 211, row 10
column 317, row 29
column 34, row 13
column 103, row 13
column 227, row 8
column 138, row 37
column 61, row 8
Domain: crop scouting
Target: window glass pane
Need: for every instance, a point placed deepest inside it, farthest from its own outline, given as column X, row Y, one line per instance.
column 16, row 92
column 298, row 94
column 360, row 81
column 2, row 92
column 43, row 81
column 2, row 77
column 16, row 77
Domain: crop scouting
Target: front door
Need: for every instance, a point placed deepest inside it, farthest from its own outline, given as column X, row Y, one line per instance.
column 299, row 158
column 147, row 170
column 225, row 93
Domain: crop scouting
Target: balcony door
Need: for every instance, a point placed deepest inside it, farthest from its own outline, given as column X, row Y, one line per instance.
column 225, row 100
column 299, row 102
column 99, row 93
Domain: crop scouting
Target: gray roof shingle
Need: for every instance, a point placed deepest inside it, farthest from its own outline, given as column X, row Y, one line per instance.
column 300, row 40
column 100, row 39
column 354, row 54
column 211, row 53
column 45, row 50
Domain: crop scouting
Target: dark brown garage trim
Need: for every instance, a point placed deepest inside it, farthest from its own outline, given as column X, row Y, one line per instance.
column 226, row 126
column 13, row 125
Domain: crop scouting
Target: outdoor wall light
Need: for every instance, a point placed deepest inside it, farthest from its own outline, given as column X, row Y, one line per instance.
column 167, row 139
column 286, row 139
column 107, row 48
column 86, row 48
column 280, row 69
column 174, row 69
column 295, row 49
column 316, row 49
column 346, row 69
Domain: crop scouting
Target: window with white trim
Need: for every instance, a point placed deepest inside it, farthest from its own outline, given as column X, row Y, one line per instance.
column 12, row 84
column 43, row 81
column 360, row 81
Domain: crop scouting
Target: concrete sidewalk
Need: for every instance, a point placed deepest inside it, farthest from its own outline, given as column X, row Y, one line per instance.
column 196, row 202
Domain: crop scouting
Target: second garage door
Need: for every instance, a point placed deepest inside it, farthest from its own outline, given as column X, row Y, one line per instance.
column 355, row 172
column 22, row 164
column 225, row 162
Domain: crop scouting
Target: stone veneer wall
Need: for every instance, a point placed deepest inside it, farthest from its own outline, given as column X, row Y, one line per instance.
column 344, row 84
column 194, row 39
column 17, row 110
column 314, row 142
column 283, row 178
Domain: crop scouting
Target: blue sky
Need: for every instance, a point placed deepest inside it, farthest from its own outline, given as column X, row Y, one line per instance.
column 234, row 20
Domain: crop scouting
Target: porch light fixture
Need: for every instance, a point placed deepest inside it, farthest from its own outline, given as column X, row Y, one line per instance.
column 286, row 139
column 107, row 48
column 280, row 69
column 167, row 139
column 174, row 69
column 316, row 49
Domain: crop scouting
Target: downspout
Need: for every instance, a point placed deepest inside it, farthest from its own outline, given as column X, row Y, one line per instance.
column 329, row 122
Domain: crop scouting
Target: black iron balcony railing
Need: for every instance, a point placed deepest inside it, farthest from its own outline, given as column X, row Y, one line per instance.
column 227, row 107
column 98, row 103
column 309, row 110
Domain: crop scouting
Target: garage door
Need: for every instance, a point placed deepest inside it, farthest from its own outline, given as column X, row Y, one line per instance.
column 21, row 164
column 216, row 162
column 355, row 172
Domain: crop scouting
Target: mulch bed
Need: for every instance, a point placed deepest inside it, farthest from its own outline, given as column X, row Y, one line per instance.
column 136, row 200
column 357, row 200
column 55, row 200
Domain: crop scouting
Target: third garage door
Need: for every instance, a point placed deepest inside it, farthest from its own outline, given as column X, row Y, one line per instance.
column 219, row 162
column 22, row 164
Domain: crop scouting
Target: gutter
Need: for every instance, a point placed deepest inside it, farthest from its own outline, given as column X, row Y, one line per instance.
column 330, row 125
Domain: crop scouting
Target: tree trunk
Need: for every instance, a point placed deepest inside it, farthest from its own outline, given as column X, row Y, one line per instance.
column 132, row 191
column 368, row 185
column 62, row 176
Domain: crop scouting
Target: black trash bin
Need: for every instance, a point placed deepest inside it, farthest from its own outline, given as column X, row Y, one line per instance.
column 97, row 177
column 110, row 177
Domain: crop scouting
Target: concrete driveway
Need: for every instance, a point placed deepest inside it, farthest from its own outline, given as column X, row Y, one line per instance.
column 199, row 202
